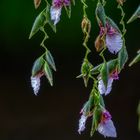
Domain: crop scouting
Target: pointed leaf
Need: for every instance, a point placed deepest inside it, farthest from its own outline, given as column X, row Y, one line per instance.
column 37, row 3
column 37, row 66
column 68, row 10
column 102, row 101
column 112, row 65
column 39, row 22
column 88, row 105
column 95, row 120
column 96, row 70
column 48, row 73
column 85, row 70
column 50, row 60
column 135, row 15
column 104, row 74
column 135, row 60
column 73, row 1
column 122, row 58
column 100, row 14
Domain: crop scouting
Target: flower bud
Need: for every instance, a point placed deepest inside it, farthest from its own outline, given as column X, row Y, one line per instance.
column 86, row 25
column 99, row 43
column 121, row 1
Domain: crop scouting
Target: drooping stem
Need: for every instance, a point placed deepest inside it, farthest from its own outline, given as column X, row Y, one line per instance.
column 122, row 23
column 86, row 29
column 44, row 39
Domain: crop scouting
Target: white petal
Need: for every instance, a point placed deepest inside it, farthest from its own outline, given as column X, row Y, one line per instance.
column 82, row 123
column 101, row 86
column 107, row 129
column 114, row 42
column 35, row 82
column 55, row 14
column 109, row 86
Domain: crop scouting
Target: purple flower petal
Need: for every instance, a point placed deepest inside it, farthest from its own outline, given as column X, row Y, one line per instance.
column 55, row 14
column 82, row 123
column 101, row 86
column 107, row 129
column 114, row 42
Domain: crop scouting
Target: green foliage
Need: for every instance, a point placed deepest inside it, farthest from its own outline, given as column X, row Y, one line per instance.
column 95, row 120
column 48, row 73
column 37, row 66
column 39, row 22
column 135, row 60
column 68, row 10
column 100, row 14
column 50, row 60
column 122, row 58
column 105, row 74
column 135, row 15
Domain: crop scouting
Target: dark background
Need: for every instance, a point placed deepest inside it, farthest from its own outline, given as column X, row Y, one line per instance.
column 54, row 113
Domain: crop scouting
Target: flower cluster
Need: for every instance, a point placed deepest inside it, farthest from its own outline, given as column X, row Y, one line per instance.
column 110, row 37
column 104, row 126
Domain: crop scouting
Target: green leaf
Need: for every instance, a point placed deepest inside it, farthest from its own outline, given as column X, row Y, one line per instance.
column 122, row 58
column 39, row 22
column 73, row 1
column 95, row 120
column 88, row 106
column 37, row 3
column 37, row 66
column 135, row 60
column 96, row 70
column 112, row 65
column 135, row 15
column 50, row 60
column 48, row 73
column 104, row 74
column 100, row 14
column 113, row 24
column 138, row 112
column 85, row 70
column 102, row 101
column 68, row 10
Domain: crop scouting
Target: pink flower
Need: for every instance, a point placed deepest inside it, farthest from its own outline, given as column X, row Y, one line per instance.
column 113, row 38
column 106, row 126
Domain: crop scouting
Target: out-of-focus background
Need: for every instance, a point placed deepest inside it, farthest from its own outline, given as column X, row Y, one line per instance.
column 54, row 113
